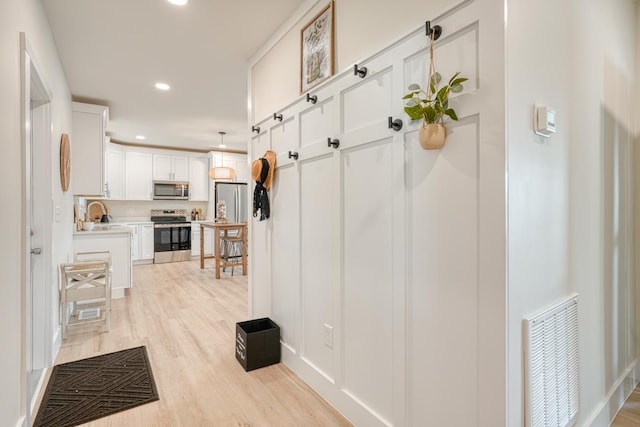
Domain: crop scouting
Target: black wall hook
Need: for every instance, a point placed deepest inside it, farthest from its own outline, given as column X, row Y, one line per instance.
column 436, row 30
column 333, row 142
column 395, row 124
column 255, row 129
column 277, row 116
column 359, row 71
column 293, row 155
column 312, row 98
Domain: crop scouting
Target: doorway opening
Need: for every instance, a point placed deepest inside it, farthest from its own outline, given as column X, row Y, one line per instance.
column 37, row 295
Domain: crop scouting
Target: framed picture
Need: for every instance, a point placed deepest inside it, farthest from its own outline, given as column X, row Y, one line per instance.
column 316, row 48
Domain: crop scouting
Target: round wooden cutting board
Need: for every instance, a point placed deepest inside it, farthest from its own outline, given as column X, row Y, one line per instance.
column 65, row 162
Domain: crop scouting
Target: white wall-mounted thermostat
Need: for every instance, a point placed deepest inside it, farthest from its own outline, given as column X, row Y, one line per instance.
column 544, row 120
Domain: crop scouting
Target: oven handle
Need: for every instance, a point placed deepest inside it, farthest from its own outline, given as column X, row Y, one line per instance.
column 172, row 225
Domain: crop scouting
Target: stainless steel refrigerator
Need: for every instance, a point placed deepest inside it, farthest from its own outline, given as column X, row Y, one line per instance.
column 236, row 198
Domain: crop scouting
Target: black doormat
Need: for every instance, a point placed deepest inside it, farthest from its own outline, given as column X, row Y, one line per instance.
column 92, row 388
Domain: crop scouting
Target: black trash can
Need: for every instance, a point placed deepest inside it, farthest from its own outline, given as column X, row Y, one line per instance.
column 257, row 343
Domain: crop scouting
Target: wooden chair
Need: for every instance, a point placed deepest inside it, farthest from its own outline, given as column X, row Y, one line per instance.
column 231, row 249
column 96, row 256
column 92, row 256
column 86, row 285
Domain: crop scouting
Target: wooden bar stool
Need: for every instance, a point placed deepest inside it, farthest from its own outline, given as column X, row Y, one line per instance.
column 232, row 248
column 86, row 285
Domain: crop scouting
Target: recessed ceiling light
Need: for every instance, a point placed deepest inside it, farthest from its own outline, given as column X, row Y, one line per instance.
column 141, row 137
column 162, row 86
column 222, row 146
column 178, row 2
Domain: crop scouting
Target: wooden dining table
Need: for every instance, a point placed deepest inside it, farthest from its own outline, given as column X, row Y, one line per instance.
column 222, row 229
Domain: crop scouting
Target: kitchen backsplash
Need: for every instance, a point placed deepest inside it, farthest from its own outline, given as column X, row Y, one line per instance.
column 127, row 209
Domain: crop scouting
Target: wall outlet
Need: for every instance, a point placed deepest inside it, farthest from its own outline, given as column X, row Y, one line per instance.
column 57, row 214
column 328, row 335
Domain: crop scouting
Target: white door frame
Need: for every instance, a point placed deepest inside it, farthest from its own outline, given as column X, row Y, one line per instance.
column 34, row 88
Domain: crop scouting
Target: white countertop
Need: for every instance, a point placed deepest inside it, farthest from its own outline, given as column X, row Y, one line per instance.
column 105, row 229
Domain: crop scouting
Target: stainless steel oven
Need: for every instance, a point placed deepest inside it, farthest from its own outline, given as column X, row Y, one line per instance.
column 171, row 235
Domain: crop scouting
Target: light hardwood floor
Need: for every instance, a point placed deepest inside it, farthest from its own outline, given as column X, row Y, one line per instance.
column 186, row 318
column 629, row 415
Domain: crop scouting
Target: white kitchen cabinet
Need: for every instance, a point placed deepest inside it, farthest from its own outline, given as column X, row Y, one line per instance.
column 195, row 240
column 170, row 168
column 114, row 184
column 242, row 168
column 138, row 174
column 89, row 123
column 141, row 241
column 232, row 160
column 135, row 242
column 199, row 179
column 146, row 241
column 208, row 242
column 116, row 242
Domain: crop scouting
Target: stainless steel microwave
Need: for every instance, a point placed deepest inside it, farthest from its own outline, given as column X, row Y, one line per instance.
column 170, row 190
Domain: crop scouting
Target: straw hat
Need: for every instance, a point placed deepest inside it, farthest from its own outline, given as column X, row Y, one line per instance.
column 256, row 169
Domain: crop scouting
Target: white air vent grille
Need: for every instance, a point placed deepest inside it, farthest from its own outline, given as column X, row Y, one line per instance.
column 91, row 313
column 551, row 353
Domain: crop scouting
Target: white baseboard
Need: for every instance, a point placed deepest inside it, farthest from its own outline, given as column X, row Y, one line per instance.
column 356, row 412
column 117, row 293
column 57, row 342
column 604, row 414
column 32, row 404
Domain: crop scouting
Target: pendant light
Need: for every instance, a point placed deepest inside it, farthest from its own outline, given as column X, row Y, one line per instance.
column 222, row 172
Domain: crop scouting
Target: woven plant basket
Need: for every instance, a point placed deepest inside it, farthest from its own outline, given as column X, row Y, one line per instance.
column 432, row 136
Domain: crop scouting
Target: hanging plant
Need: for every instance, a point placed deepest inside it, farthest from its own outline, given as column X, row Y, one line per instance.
column 432, row 105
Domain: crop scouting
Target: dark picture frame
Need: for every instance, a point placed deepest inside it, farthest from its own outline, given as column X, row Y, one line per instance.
column 317, row 57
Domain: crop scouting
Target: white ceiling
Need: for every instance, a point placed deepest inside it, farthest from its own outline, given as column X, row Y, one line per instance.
column 114, row 51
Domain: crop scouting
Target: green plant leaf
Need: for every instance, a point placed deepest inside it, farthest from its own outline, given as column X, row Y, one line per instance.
column 414, row 87
column 412, row 103
column 408, row 96
column 451, row 114
column 432, row 87
column 415, row 112
column 457, row 88
column 435, row 78
column 458, row 81
column 443, row 94
column 453, row 78
column 430, row 114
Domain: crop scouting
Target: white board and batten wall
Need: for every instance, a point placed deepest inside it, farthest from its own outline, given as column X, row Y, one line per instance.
column 383, row 263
